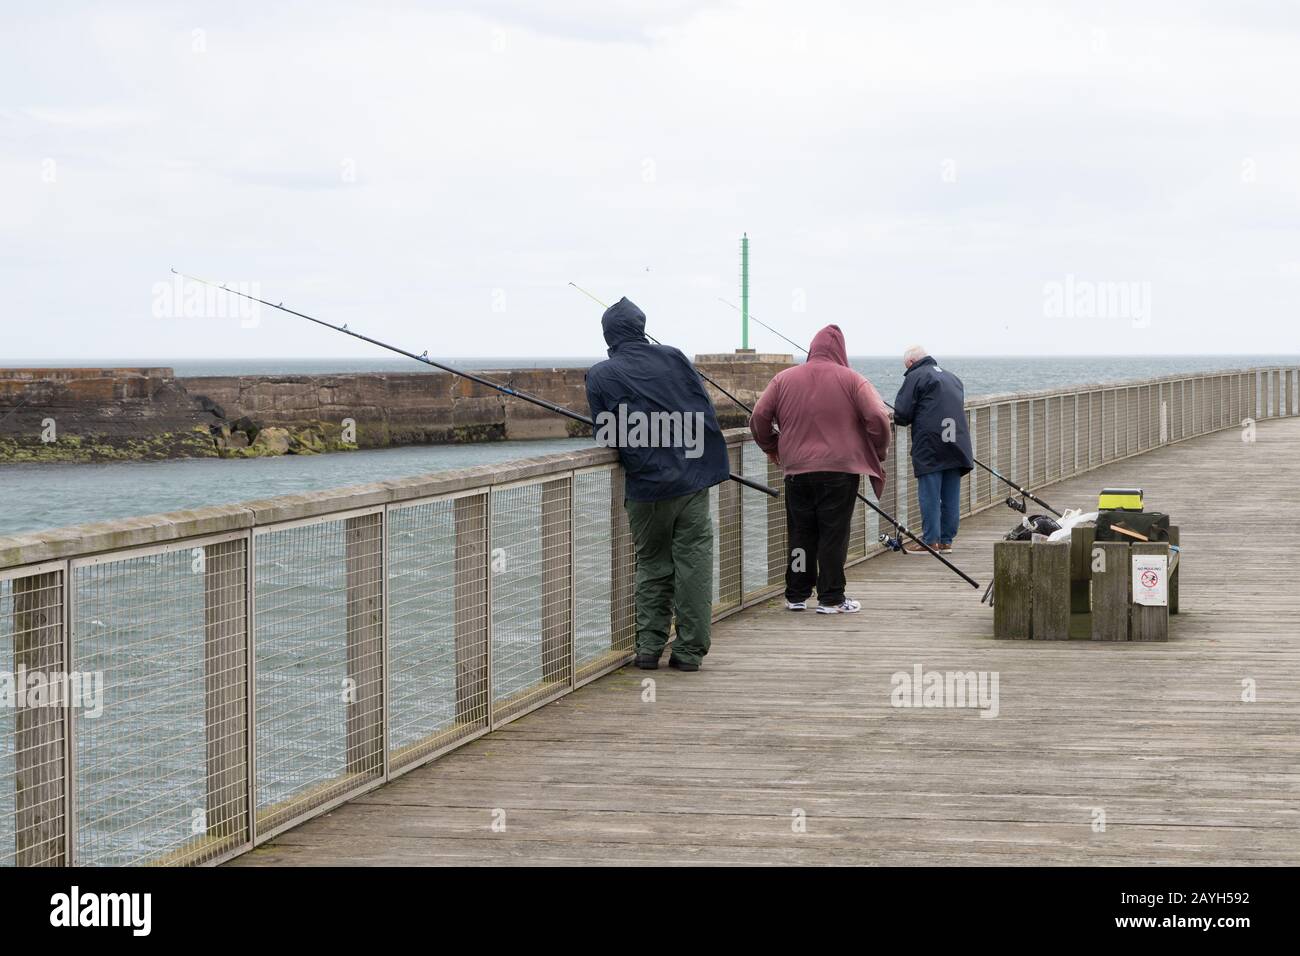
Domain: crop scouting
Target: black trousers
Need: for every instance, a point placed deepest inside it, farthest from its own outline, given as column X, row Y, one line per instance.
column 818, row 509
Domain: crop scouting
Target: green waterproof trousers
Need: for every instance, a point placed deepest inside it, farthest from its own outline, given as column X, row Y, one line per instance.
column 674, row 572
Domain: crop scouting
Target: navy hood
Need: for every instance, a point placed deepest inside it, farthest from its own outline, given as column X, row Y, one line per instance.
column 622, row 322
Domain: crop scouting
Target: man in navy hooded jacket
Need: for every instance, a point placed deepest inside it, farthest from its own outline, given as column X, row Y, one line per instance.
column 648, row 401
column 933, row 401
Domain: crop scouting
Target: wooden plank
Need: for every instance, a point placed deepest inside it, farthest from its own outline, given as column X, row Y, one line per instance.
column 471, row 608
column 40, row 777
column 1149, row 622
column 557, row 557
column 1013, row 596
column 363, row 536
column 225, row 643
column 1051, row 585
column 1081, row 538
column 1110, row 590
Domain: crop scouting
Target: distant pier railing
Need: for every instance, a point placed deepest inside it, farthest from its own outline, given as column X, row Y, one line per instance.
column 236, row 670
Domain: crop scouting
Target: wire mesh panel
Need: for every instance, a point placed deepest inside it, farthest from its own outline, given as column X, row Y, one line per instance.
column 160, row 754
column 888, row 500
column 1143, row 419
column 778, row 541
column 33, row 775
column 904, row 497
column 1054, row 413
column 318, row 663
column 982, row 438
column 603, row 566
column 760, row 522
column 1132, row 410
column 437, row 569
column 730, row 533
column 1038, row 440
column 964, row 496
column 1070, row 434
column 531, row 534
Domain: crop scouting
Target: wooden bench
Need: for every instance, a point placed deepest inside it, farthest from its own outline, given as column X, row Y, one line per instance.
column 1049, row 590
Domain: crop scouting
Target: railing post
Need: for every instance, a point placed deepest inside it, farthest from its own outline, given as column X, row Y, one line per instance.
column 365, row 621
column 622, row 568
column 41, row 779
column 557, row 557
column 473, row 645
column 730, row 530
column 225, row 642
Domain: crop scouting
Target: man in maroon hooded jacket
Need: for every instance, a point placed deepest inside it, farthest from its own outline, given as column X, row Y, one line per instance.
column 825, row 425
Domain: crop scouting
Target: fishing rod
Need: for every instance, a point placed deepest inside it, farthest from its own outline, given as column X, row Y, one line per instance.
column 1011, row 502
column 469, row 376
column 895, row 543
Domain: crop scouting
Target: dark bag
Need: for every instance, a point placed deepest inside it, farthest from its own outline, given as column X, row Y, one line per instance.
column 1152, row 525
column 1032, row 525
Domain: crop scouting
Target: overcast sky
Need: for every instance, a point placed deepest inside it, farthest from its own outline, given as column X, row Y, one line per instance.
column 436, row 174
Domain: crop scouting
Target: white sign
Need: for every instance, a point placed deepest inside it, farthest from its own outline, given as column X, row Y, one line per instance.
column 1151, row 580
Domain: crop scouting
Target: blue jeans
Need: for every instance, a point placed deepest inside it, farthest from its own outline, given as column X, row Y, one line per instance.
column 940, row 499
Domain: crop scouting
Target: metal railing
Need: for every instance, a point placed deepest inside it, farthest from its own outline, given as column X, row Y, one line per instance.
column 263, row 662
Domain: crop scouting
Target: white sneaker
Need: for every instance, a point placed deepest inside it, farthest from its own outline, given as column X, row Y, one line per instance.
column 849, row 606
column 796, row 606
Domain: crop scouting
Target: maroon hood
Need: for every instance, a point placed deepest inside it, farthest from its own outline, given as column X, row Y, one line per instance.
column 823, row 416
column 828, row 346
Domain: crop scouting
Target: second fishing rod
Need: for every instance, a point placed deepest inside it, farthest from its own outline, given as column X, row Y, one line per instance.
column 894, row 544
column 1025, row 493
column 470, row 376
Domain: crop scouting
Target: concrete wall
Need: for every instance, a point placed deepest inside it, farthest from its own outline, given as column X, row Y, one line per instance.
column 103, row 414
column 96, row 414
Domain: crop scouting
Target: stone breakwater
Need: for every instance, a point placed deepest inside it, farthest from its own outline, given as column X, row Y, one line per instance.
column 106, row 414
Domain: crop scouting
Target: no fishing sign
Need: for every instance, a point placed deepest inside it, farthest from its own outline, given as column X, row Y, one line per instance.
column 1151, row 580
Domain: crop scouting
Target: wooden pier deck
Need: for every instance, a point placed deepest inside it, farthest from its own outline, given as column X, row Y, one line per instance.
column 791, row 715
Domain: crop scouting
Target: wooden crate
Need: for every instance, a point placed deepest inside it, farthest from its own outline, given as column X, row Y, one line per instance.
column 1043, row 590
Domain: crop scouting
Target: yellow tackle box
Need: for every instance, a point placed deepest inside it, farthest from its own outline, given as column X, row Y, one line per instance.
column 1120, row 499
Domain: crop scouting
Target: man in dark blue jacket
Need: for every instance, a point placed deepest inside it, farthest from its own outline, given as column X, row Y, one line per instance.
column 933, row 401
column 648, row 402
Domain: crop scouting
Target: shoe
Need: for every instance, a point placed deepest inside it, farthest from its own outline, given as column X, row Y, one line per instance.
column 796, row 605
column 675, row 664
column 944, row 548
column 847, row 606
column 911, row 547
column 647, row 662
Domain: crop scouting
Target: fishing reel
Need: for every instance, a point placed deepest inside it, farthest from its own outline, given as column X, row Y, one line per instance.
column 1017, row 505
column 893, row 543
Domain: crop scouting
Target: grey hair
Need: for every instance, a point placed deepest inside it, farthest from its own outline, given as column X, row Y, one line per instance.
column 914, row 354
